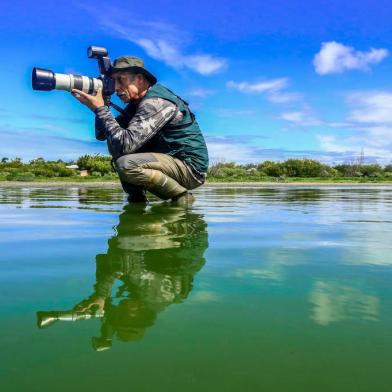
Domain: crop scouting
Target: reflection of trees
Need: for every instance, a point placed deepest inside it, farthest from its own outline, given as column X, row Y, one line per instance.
column 11, row 195
column 36, row 196
column 154, row 256
column 333, row 301
column 276, row 194
column 99, row 195
column 42, row 197
column 303, row 196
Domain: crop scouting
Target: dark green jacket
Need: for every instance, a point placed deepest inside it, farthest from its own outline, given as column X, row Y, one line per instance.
column 185, row 140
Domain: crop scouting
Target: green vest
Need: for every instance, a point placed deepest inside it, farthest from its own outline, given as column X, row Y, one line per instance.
column 184, row 140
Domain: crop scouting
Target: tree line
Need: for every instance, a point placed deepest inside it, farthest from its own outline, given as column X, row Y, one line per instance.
column 299, row 168
column 98, row 166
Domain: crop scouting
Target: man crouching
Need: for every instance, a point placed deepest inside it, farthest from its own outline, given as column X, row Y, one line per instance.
column 159, row 147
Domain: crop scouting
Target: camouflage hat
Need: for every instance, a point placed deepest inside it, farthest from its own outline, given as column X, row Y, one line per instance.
column 135, row 64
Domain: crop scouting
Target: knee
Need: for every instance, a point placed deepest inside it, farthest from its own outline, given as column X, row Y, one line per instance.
column 126, row 165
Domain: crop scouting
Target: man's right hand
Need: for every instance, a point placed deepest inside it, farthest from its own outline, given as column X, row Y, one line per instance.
column 91, row 101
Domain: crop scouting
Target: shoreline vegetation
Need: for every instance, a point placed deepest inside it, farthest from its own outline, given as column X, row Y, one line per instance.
column 96, row 171
column 117, row 185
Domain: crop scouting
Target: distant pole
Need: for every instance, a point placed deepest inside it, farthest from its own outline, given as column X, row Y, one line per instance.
column 362, row 157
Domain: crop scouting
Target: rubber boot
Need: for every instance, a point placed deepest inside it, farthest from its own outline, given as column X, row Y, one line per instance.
column 164, row 186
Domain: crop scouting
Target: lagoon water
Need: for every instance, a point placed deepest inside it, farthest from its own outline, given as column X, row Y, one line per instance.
column 251, row 289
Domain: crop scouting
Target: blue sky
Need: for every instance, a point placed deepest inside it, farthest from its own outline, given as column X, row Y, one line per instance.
column 266, row 81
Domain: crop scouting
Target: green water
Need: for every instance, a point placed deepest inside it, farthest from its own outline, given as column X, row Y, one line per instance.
column 249, row 290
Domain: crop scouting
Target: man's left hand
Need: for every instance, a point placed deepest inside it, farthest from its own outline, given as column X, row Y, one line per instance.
column 90, row 303
column 91, row 101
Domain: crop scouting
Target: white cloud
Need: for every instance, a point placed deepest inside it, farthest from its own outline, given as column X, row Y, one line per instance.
column 28, row 144
column 200, row 92
column 243, row 150
column 368, row 127
column 371, row 107
column 331, row 143
column 379, row 136
column 350, row 147
column 272, row 85
column 161, row 41
column 302, row 118
column 274, row 88
column 223, row 149
column 283, row 97
column 204, row 64
column 229, row 112
column 340, row 124
column 335, row 57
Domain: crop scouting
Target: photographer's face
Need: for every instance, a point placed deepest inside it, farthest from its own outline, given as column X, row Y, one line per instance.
column 129, row 87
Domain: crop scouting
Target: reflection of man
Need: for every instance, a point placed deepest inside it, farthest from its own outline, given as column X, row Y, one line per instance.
column 155, row 256
column 159, row 147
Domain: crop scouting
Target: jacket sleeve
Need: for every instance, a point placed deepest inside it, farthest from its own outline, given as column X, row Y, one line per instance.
column 105, row 278
column 151, row 115
column 122, row 120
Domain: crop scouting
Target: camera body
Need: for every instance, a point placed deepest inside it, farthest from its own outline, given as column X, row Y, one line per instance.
column 46, row 80
column 105, row 65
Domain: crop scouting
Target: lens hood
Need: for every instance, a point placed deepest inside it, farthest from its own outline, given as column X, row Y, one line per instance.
column 43, row 79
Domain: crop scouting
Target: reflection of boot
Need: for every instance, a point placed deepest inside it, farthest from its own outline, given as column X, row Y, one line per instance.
column 185, row 200
column 164, row 186
column 136, row 194
column 138, row 198
column 101, row 344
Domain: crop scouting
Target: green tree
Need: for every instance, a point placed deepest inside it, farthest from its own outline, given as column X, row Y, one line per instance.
column 371, row 170
column 270, row 168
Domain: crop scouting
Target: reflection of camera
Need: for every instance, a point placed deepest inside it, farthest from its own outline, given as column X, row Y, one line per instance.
column 46, row 80
column 47, row 318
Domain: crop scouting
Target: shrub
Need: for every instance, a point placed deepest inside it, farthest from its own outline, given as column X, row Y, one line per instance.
column 214, row 169
column 272, row 169
column 371, row 170
column 21, row 176
column 50, row 169
column 328, row 172
column 348, row 170
column 388, row 169
column 96, row 163
column 302, row 168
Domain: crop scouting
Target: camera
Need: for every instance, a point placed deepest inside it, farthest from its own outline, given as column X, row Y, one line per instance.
column 46, row 80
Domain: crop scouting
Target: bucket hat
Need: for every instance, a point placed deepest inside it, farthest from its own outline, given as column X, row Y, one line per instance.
column 134, row 64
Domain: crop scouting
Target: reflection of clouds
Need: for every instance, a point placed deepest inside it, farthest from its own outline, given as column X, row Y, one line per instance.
column 358, row 218
column 27, row 225
column 224, row 219
column 203, row 297
column 333, row 301
column 275, row 272
column 274, row 264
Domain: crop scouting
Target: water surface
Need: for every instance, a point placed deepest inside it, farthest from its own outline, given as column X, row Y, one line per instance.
column 285, row 289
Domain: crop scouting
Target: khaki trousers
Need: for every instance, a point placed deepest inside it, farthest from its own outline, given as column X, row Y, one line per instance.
column 163, row 175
